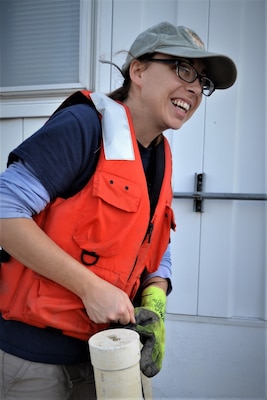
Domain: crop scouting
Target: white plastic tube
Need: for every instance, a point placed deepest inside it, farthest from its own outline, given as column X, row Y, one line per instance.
column 115, row 356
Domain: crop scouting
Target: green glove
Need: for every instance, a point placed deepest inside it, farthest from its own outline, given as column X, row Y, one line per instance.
column 150, row 326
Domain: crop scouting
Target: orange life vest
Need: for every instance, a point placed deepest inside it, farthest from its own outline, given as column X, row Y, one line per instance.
column 105, row 227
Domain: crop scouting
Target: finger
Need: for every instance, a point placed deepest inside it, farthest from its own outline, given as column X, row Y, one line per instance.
column 128, row 315
column 132, row 316
column 124, row 319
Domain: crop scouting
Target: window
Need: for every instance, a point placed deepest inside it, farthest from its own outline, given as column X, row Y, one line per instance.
column 43, row 44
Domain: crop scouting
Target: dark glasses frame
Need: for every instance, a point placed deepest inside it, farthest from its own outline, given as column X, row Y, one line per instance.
column 184, row 68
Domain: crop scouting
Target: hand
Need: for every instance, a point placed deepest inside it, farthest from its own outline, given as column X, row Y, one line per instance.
column 105, row 303
column 150, row 326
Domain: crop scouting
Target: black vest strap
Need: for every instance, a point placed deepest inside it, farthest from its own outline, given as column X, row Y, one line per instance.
column 155, row 174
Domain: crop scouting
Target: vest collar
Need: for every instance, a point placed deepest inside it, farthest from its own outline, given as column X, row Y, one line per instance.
column 117, row 140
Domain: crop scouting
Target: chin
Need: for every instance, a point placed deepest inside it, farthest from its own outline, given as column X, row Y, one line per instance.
column 176, row 126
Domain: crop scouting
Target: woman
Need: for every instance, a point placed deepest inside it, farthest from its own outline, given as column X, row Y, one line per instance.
column 86, row 217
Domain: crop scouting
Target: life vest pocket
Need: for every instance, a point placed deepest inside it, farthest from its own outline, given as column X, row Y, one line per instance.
column 169, row 215
column 114, row 212
column 51, row 305
column 117, row 191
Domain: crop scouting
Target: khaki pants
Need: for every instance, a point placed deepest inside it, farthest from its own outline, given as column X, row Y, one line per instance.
column 25, row 380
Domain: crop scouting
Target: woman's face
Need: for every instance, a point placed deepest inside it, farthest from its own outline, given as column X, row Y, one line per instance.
column 168, row 100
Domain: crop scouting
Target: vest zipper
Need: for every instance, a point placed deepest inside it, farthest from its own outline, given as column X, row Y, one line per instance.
column 148, row 235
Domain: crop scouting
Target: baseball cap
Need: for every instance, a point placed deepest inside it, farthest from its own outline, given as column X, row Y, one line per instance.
column 183, row 42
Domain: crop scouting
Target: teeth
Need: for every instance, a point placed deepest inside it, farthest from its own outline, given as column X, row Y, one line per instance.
column 182, row 104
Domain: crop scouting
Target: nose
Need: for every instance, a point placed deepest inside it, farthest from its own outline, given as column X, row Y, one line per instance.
column 195, row 87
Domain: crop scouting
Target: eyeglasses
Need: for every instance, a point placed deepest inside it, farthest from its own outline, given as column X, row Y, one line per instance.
column 189, row 74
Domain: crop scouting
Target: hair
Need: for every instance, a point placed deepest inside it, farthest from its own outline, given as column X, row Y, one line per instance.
column 122, row 92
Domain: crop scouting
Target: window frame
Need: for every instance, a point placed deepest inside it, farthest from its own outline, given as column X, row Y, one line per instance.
column 40, row 100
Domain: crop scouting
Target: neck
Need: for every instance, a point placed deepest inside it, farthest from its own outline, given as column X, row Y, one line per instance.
column 144, row 129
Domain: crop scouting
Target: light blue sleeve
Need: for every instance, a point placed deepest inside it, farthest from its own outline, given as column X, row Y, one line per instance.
column 22, row 194
column 164, row 270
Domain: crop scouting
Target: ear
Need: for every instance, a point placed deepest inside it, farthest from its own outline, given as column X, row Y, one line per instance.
column 135, row 71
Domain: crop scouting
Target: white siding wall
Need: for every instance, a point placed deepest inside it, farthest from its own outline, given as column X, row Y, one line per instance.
column 216, row 321
column 14, row 131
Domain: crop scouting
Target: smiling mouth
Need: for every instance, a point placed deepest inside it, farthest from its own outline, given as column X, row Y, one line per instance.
column 181, row 104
